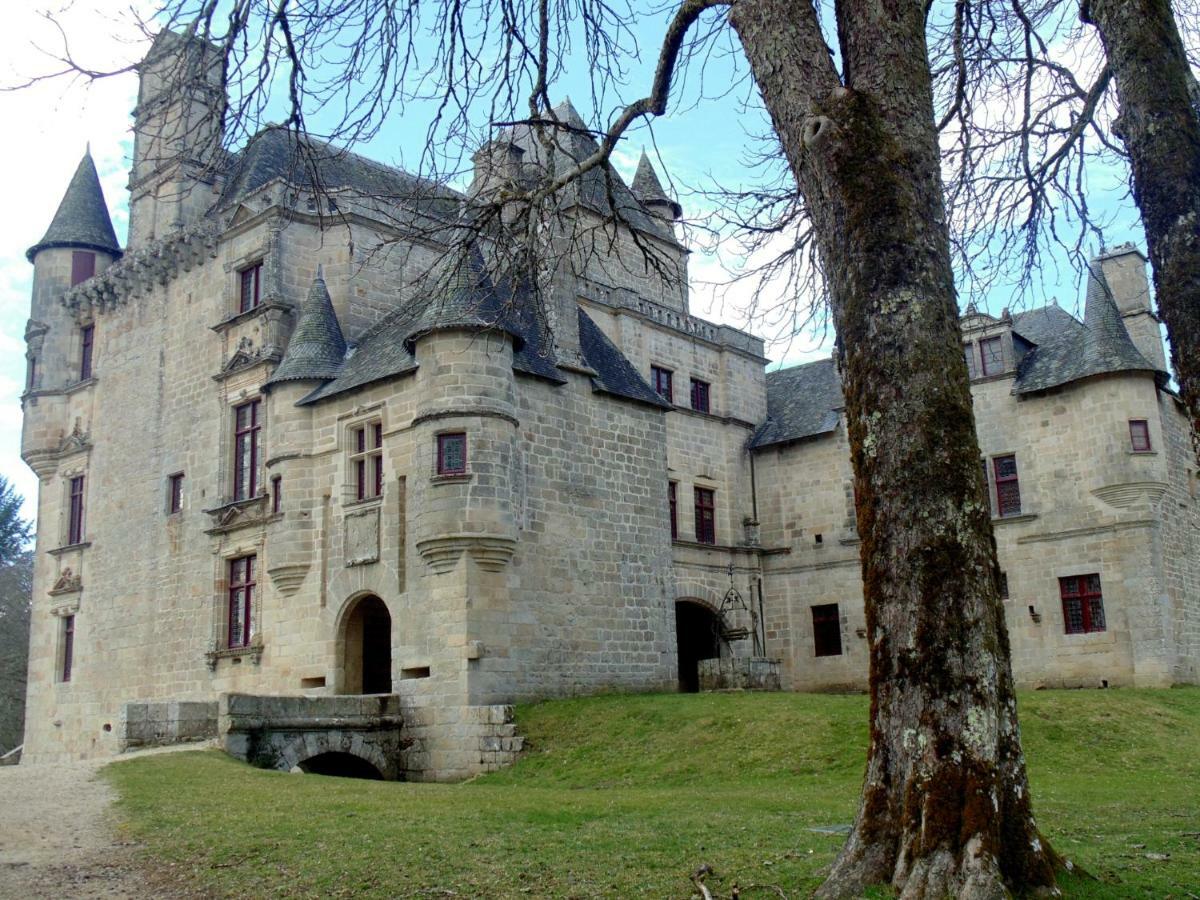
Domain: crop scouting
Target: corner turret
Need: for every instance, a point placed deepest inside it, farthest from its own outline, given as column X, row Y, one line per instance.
column 82, row 221
column 317, row 347
column 649, row 191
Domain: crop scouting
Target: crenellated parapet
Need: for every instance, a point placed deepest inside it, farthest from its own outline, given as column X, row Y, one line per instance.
column 147, row 268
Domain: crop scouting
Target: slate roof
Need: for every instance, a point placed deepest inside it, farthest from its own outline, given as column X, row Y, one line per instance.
column 593, row 189
column 648, row 189
column 310, row 164
column 805, row 401
column 614, row 373
column 82, row 219
column 462, row 295
column 802, row 402
column 1069, row 352
column 317, row 349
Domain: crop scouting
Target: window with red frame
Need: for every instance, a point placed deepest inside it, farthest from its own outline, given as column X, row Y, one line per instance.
column 827, row 630
column 991, row 356
column 175, row 493
column 247, row 433
column 452, row 453
column 1139, row 435
column 75, row 511
column 1083, row 604
column 673, row 502
column 367, row 460
column 1008, row 488
column 242, row 573
column 87, row 335
column 250, row 290
column 83, row 266
column 660, row 379
column 700, row 392
column 68, row 646
column 706, row 518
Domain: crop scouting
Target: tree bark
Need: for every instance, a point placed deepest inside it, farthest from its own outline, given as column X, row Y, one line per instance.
column 945, row 808
column 1160, row 125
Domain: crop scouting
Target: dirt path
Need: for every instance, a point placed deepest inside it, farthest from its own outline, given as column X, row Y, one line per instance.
column 58, row 836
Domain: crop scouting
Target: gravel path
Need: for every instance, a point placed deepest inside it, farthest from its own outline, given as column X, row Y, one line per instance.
column 58, row 836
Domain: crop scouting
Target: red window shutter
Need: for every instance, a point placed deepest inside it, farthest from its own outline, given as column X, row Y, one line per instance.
column 83, row 266
column 1139, row 435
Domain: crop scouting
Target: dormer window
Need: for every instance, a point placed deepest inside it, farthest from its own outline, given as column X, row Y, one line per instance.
column 991, row 356
column 250, row 287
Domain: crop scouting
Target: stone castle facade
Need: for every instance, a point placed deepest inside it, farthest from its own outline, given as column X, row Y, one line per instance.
column 315, row 478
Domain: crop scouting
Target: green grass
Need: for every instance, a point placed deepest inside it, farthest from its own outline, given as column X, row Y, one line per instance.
column 623, row 796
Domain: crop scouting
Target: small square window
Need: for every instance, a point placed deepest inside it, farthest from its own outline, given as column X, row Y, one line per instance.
column 827, row 630
column 452, row 453
column 175, row 493
column 700, row 392
column 1139, row 435
column 660, row 380
column 250, row 287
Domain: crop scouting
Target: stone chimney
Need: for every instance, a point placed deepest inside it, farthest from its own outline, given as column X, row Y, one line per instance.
column 1124, row 270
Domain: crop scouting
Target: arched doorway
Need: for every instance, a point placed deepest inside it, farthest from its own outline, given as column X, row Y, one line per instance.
column 367, row 648
column 698, row 633
column 342, row 765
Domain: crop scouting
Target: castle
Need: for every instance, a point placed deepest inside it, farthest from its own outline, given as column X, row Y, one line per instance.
column 317, row 482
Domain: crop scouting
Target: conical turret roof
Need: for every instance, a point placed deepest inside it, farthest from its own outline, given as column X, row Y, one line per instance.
column 317, row 349
column 82, row 219
column 649, row 190
column 464, row 296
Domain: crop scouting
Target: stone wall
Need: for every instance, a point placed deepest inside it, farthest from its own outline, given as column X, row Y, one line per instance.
column 162, row 723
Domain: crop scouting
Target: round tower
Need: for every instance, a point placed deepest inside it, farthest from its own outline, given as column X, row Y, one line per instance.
column 79, row 244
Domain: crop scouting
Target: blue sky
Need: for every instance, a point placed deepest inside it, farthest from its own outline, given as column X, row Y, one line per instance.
column 705, row 138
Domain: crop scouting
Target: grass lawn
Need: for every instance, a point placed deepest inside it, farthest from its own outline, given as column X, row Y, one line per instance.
column 623, row 796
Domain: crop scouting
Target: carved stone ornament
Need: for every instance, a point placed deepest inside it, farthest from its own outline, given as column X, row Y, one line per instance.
column 287, row 579
column 491, row 553
column 68, row 583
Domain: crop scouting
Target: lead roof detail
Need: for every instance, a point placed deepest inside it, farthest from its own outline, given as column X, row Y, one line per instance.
column 82, row 219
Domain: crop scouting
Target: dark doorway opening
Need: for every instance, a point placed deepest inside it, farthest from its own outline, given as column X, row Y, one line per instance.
column 341, row 765
column 367, row 657
column 698, row 631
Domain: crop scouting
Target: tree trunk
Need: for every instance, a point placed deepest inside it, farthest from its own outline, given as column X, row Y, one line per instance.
column 945, row 808
column 1160, row 125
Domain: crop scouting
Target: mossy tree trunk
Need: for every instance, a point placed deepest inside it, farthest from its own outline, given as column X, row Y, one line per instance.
column 1160, row 125
column 945, row 808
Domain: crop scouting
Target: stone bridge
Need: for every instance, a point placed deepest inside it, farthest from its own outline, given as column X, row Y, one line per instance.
column 355, row 735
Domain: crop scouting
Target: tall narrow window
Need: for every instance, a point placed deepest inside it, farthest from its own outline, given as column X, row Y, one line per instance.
column 241, row 600
column 247, row 429
column 700, row 390
column 367, row 460
column 1139, row 435
column 175, row 493
column 68, row 647
column 31, row 378
column 276, row 493
column 250, row 292
column 1008, row 489
column 827, row 630
column 1083, row 605
column 706, row 519
column 452, row 453
column 660, row 380
column 75, row 511
column 969, row 356
column 991, row 356
column 83, row 266
column 673, row 503
column 87, row 335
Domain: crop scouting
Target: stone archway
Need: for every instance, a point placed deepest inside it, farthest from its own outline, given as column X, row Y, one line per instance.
column 340, row 764
column 365, row 647
column 698, row 636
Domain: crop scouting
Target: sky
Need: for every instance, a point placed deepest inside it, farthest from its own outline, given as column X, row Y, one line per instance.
column 51, row 123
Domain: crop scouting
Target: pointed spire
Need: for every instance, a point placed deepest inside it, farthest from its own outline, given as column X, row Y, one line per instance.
column 82, row 219
column 649, row 190
column 569, row 115
column 317, row 348
column 1107, row 344
column 464, row 296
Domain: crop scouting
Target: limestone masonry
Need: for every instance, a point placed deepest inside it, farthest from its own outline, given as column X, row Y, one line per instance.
column 322, row 480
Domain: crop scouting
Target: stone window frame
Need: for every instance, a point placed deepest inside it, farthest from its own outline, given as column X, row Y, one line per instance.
column 348, row 424
column 825, row 615
column 262, row 255
column 440, row 468
column 1133, row 436
column 256, row 271
column 991, row 482
column 175, row 496
column 219, row 647
column 87, row 351
column 364, row 459
column 657, row 380
column 673, row 507
column 996, row 340
column 74, row 534
column 700, row 388
column 1079, row 588
column 705, row 500
column 64, row 655
column 258, row 429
